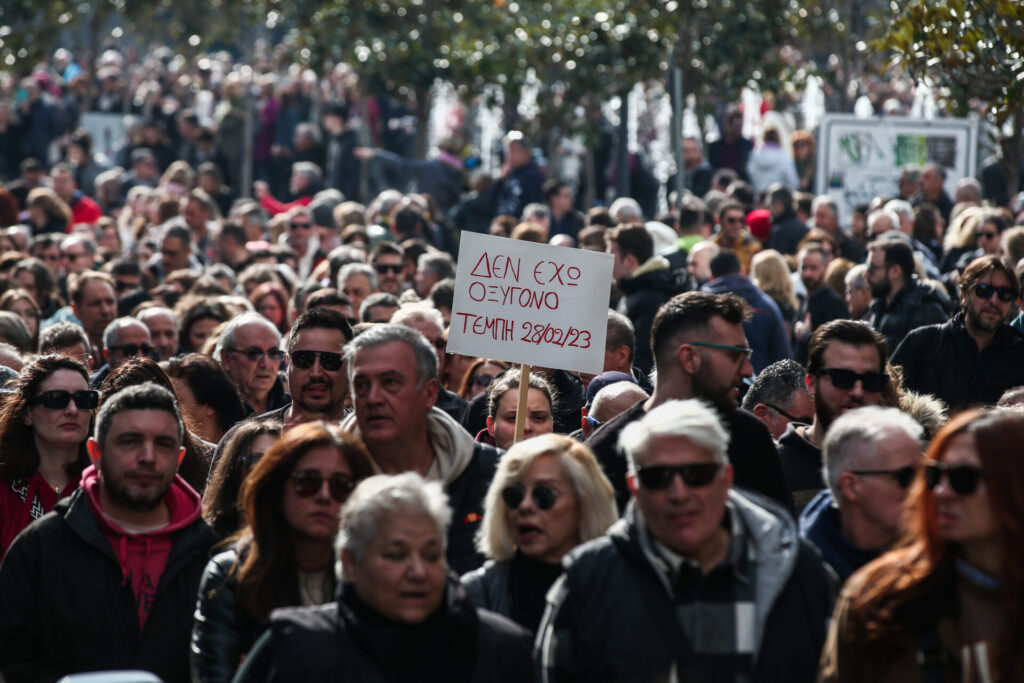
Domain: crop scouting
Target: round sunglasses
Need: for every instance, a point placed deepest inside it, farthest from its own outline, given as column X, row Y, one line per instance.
column 543, row 497
column 308, row 483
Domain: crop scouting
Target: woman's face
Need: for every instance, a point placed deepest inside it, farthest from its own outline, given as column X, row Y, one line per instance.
column 545, row 535
column 483, row 376
column 37, row 216
column 456, row 365
column 538, row 417
column 315, row 517
column 401, row 572
column 68, row 426
column 27, row 312
column 270, row 309
column 200, row 332
column 260, row 445
column 964, row 519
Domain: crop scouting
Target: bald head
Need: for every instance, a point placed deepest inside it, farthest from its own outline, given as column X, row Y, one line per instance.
column 612, row 401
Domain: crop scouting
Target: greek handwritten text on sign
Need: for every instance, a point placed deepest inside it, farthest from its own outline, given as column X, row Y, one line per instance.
column 531, row 303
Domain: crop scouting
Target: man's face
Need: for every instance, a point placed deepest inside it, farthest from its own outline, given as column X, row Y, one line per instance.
column 732, row 224
column 829, row 400
column 380, row 314
column 64, row 184
column 356, row 288
column 880, row 497
column 518, row 155
column 195, row 215
column 720, row 372
column 812, row 270
column 50, row 256
column 174, row 254
column 297, row 183
column 388, row 403
column 316, row 389
column 434, row 335
column 76, row 259
column 300, row 230
column 389, row 269
column 424, row 280
column 254, row 379
column 691, row 154
column 561, row 202
column 138, row 459
column 858, row 299
column 825, row 219
column 931, row 183
column 801, row 407
column 98, row 307
column 698, row 264
column 987, row 314
column 163, row 332
column 878, row 275
column 132, row 340
column 687, row 520
column 624, row 264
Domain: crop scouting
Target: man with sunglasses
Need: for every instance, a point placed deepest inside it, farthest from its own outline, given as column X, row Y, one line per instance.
column 697, row 580
column 901, row 302
column 779, row 396
column 872, row 455
column 845, row 370
column 733, row 234
column 124, row 338
column 388, row 259
column 973, row 358
column 249, row 351
column 124, row 552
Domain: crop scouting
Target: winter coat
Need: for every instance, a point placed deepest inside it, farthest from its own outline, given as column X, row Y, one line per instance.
column 916, row 304
column 772, row 164
column 651, row 285
column 820, row 524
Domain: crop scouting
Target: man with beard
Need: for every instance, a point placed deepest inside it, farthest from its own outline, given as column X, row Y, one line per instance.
column 701, row 351
column 124, row 551
column 972, row 359
column 902, row 303
column 822, row 304
column 845, row 370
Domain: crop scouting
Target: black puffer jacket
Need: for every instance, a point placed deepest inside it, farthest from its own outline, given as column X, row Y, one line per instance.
column 348, row 641
column 915, row 305
column 652, row 284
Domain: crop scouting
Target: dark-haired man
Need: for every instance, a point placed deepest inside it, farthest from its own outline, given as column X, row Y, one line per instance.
column 565, row 220
column 132, row 548
column 973, row 358
column 700, row 351
column 902, row 303
column 779, row 396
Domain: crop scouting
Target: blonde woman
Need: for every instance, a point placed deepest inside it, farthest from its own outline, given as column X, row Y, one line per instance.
column 548, row 496
column 770, row 274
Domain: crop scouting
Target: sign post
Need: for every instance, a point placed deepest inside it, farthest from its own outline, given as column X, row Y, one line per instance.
column 531, row 304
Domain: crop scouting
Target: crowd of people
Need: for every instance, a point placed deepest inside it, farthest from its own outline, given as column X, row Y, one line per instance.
column 234, row 445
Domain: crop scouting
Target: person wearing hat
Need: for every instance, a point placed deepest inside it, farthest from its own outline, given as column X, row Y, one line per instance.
column 608, row 395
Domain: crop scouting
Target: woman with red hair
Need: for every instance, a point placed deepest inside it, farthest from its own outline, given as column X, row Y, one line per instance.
column 948, row 604
column 271, row 301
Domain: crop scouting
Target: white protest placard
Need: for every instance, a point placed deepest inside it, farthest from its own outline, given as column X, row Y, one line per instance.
column 531, row 303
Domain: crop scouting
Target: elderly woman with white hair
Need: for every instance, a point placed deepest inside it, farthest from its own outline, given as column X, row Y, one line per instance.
column 399, row 614
column 548, row 496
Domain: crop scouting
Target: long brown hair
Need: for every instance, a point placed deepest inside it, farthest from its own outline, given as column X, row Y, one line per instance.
column 221, row 501
column 899, row 584
column 18, row 455
column 266, row 574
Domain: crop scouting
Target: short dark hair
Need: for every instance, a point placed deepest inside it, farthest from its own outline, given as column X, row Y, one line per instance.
column 983, row 265
column 319, row 319
column 147, row 396
column 690, row 312
column 730, row 205
column 633, row 239
column 442, row 294
column 326, row 296
column 62, row 335
column 385, row 247
column 377, row 299
column 620, row 333
column 897, row 253
column 725, row 262
column 552, row 187
column 776, row 384
column 852, row 332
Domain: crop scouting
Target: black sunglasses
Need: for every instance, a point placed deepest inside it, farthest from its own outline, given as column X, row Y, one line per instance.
column 58, row 399
column 985, row 291
column 329, row 360
column 986, row 235
column 256, row 355
column 483, row 380
column 791, row 418
column 514, row 495
column 904, row 476
column 845, row 379
column 388, row 268
column 695, row 475
column 133, row 349
column 295, row 226
column 963, row 479
column 308, row 483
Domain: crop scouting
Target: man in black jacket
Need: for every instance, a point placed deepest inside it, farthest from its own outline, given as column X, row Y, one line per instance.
column 108, row 579
column 700, row 351
column 972, row 359
column 787, row 228
column 697, row 581
column 392, row 372
column 901, row 304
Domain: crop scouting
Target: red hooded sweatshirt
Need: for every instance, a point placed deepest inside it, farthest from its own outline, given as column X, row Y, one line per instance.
column 24, row 501
column 143, row 556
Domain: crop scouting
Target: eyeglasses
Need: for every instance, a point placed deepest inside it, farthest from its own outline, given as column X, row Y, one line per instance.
column 58, row 399
column 791, row 418
column 593, row 421
column 121, row 285
column 695, row 475
column 963, row 479
column 904, row 476
column 985, row 291
column 543, row 497
column 872, row 382
column 256, row 355
column 732, row 220
column 250, row 460
column 483, row 380
column 132, row 349
column 308, row 483
column 329, row 360
column 387, row 268
column 299, row 225
column 738, row 353
column 985, row 235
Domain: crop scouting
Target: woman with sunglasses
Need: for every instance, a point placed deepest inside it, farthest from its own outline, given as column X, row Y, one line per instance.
column 479, row 375
column 503, row 404
column 949, row 603
column 243, row 448
column 548, row 496
column 291, row 502
column 44, row 425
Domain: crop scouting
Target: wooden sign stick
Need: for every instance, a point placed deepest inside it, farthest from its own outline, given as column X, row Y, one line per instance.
column 524, row 391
